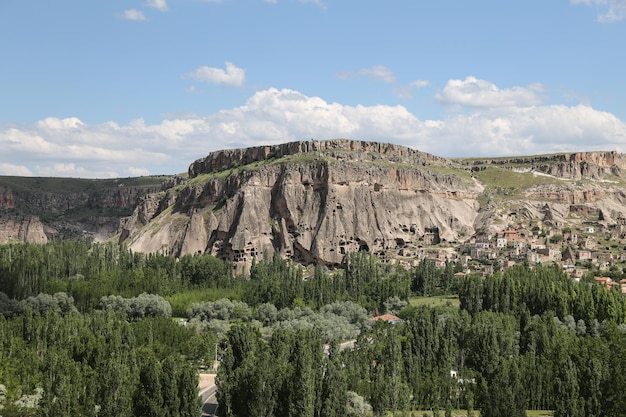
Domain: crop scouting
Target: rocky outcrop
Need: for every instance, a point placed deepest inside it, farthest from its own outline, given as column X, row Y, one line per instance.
column 21, row 229
column 337, row 148
column 332, row 198
column 315, row 201
column 573, row 166
column 68, row 208
column 7, row 200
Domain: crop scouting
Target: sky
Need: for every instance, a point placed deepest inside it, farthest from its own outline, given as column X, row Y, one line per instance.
column 119, row 88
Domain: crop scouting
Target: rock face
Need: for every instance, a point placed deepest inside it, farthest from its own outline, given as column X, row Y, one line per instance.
column 311, row 201
column 315, row 201
column 22, row 229
column 38, row 209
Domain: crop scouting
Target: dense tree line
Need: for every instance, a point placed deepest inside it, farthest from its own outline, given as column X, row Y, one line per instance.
column 98, row 364
column 523, row 339
column 87, row 272
column 363, row 280
column 513, row 353
column 521, row 291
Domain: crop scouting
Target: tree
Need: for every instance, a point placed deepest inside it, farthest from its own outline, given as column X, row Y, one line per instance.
column 334, row 388
column 148, row 398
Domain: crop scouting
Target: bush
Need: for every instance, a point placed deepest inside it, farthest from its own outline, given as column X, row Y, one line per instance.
column 144, row 305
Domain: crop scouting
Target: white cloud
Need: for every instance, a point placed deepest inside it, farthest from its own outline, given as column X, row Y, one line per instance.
column 16, row 170
column 473, row 92
column 379, row 73
column 70, row 147
column 233, row 75
column 132, row 14
column 376, row 73
column 406, row 91
column 612, row 10
column 529, row 130
column 137, row 172
column 160, row 5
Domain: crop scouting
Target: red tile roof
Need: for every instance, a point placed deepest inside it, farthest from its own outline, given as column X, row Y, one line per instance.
column 387, row 317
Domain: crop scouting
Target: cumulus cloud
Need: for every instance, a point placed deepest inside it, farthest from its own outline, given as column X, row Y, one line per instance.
column 70, row 147
column 612, row 10
column 15, row 170
column 137, row 172
column 528, row 130
column 132, row 14
column 160, row 5
column 473, row 92
column 376, row 73
column 233, row 75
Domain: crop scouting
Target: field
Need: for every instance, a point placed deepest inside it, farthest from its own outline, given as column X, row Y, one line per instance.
column 451, row 301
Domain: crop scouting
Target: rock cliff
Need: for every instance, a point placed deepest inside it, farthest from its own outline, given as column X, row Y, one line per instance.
column 315, row 201
column 38, row 209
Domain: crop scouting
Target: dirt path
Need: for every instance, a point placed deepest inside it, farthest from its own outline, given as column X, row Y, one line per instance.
column 206, row 380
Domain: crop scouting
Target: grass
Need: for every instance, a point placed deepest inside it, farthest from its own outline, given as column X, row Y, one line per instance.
column 255, row 166
column 77, row 185
column 460, row 172
column 436, row 301
column 508, row 179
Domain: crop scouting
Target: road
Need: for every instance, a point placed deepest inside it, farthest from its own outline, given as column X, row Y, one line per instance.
column 208, row 391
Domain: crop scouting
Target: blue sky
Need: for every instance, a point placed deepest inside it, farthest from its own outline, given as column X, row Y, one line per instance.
column 117, row 88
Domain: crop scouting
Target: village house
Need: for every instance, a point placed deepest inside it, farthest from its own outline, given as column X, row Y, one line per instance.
column 537, row 244
column 511, row 235
column 550, row 253
column 389, row 318
column 532, row 257
column 588, row 243
column 482, row 245
column 605, row 257
column 519, row 245
column 507, row 263
column 605, row 281
column 578, row 274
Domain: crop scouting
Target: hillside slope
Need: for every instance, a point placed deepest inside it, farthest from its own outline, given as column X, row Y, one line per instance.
column 35, row 209
column 314, row 201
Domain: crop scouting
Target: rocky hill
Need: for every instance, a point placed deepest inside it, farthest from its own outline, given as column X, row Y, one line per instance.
column 314, row 201
column 37, row 210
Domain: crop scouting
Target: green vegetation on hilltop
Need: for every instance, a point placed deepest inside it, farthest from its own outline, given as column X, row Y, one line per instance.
column 507, row 179
column 58, row 185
